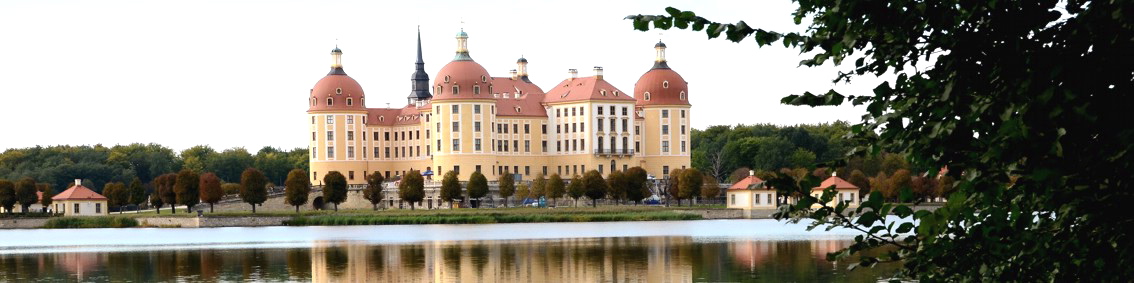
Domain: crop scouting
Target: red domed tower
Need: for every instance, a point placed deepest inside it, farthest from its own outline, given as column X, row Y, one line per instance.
column 663, row 105
column 337, row 112
column 462, row 99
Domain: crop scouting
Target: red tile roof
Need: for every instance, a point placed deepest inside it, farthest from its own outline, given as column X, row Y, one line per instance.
column 654, row 80
column 839, row 183
column 585, row 88
column 528, row 102
column 407, row 115
column 746, row 183
column 327, row 88
column 78, row 192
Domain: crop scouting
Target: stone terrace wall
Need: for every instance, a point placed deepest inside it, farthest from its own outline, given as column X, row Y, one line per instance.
column 22, row 223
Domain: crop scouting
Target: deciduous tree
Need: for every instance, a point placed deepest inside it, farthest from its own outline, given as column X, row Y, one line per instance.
column 637, row 189
column 25, row 193
column 673, row 186
column 253, row 187
column 48, row 193
column 163, row 185
column 595, row 186
column 689, row 183
column 188, row 189
column 450, row 188
column 334, row 188
column 374, row 192
column 478, row 186
column 210, row 187
column 617, row 184
column 412, row 188
column 555, row 187
column 575, row 190
column 136, row 191
column 507, row 187
column 297, row 188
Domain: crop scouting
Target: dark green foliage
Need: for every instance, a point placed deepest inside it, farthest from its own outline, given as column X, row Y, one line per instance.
column 672, row 186
column 334, row 188
column 507, row 187
column 450, row 187
column 477, row 186
column 253, row 187
column 720, row 150
column 373, row 192
column 91, row 222
column 555, row 187
column 117, row 195
column 636, row 188
column 230, row 188
column 594, row 186
column 188, row 189
column 1026, row 99
column 575, row 190
column 210, row 188
column 156, row 202
column 412, row 188
column 689, row 183
column 25, row 193
column 136, row 191
column 618, row 185
column 297, row 188
column 48, row 193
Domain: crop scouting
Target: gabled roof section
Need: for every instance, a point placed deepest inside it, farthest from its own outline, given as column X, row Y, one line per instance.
column 527, row 104
column 585, row 88
column 839, row 183
column 78, row 192
column 748, row 183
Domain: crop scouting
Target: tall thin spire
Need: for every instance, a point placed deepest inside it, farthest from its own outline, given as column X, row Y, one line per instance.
column 420, row 79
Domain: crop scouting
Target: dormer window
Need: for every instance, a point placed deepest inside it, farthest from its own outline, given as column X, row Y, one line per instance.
column 517, row 109
column 483, row 79
column 616, row 93
column 330, row 101
column 314, row 102
column 349, row 101
column 682, row 95
column 438, row 91
column 476, row 89
column 456, row 89
column 381, row 118
column 647, row 95
column 339, row 90
column 603, row 92
column 446, row 78
column 665, row 84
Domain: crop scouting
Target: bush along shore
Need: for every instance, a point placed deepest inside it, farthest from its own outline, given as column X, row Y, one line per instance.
column 333, row 220
column 91, row 222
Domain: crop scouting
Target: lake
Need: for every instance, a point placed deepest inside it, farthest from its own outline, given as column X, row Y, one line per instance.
column 657, row 251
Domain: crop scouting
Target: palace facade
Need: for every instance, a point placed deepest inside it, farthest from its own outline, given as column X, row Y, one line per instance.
column 466, row 120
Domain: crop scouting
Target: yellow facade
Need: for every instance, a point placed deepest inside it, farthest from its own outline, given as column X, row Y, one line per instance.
column 80, row 207
column 751, row 199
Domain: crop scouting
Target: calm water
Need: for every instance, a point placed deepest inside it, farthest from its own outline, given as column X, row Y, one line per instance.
column 671, row 251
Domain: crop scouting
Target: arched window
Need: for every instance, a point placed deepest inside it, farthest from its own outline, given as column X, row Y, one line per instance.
column 616, row 93
column 647, row 96
column 438, row 91
column 330, row 102
column 665, row 84
column 456, row 89
column 682, row 95
column 603, row 92
column 476, row 89
column 349, row 101
column 314, row 102
column 517, row 109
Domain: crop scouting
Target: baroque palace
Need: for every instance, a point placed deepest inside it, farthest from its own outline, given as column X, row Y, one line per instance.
column 466, row 120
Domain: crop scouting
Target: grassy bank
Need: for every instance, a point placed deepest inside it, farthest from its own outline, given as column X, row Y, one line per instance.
column 483, row 218
column 91, row 222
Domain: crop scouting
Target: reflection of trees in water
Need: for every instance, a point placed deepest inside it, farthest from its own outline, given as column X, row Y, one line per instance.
column 298, row 263
column 337, row 260
column 479, row 256
column 451, row 259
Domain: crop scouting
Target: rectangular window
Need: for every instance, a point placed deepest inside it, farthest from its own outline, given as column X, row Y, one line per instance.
column 600, row 110
column 600, row 165
column 438, row 126
column 516, row 145
column 557, row 113
column 665, row 170
column 527, row 170
column 426, row 134
column 625, row 110
column 527, row 128
column 612, row 110
column 375, row 152
column 350, row 120
column 665, row 129
column 527, row 146
column 387, row 135
column 682, row 146
column 682, row 113
column 476, row 109
column 363, row 136
column 505, row 146
column 476, row 126
column 313, row 120
column 545, row 170
column 544, row 146
column 330, row 119
column 312, row 136
column 600, row 125
column 350, row 152
column 624, row 127
column 456, row 108
column 558, row 146
column 665, row 113
column 612, row 125
column 665, row 146
column 574, row 145
column 637, row 145
column 625, row 167
column 376, row 136
column 572, row 111
column 350, row 135
column 456, row 126
column 478, row 168
column 350, row 175
column 582, row 111
column 682, row 129
column 76, row 210
column 574, row 127
column 387, row 152
column 98, row 208
column 457, row 169
column 476, row 144
column 330, row 152
column 330, row 135
column 456, row 144
column 313, row 155
column 558, row 129
column 637, row 129
column 544, row 128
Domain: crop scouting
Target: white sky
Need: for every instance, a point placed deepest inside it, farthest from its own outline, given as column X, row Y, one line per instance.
column 237, row 73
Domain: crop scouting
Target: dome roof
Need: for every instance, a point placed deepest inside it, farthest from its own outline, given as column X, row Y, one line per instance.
column 343, row 91
column 665, row 87
column 465, row 75
column 522, row 60
column 660, row 44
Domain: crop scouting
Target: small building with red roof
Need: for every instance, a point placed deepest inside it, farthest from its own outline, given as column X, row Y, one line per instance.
column 846, row 191
column 751, row 193
column 79, row 201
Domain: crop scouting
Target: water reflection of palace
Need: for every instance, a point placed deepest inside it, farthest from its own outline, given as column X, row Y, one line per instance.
column 570, row 260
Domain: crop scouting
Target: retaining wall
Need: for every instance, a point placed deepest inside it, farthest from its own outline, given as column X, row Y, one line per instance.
column 22, row 223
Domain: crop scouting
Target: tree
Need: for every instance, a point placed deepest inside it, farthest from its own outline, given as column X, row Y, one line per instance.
column 637, row 189
column 48, row 193
column 230, row 188
column 555, row 187
column 412, row 188
column 25, row 193
column 478, row 186
column 673, row 186
column 253, row 187
column 523, row 191
column 7, row 195
column 450, row 188
column 617, row 184
column 210, row 189
column 116, row 195
column 539, row 184
column 334, row 188
column 595, row 186
column 575, row 190
column 709, row 188
column 859, row 179
column 689, row 183
column 993, row 89
column 507, row 187
column 188, row 189
column 156, row 202
column 801, row 158
column 163, row 186
column 898, row 182
column 136, row 191
column 297, row 188
column 373, row 192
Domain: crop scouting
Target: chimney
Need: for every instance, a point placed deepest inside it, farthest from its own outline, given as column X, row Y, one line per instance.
column 517, row 95
column 598, row 72
column 574, row 73
column 78, row 182
column 751, row 172
column 515, row 75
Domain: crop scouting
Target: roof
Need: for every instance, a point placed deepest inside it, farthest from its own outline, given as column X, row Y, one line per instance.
column 747, row 183
column 338, row 88
column 78, row 192
column 407, row 115
column 528, row 102
column 585, row 88
column 665, row 87
column 839, row 183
